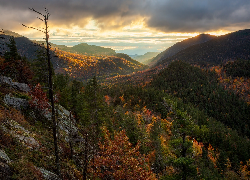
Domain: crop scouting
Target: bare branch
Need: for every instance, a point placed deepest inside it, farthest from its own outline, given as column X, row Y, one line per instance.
column 33, row 28
column 40, row 18
column 32, row 9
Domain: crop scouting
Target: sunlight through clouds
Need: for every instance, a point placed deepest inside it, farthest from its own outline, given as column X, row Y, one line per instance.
column 128, row 23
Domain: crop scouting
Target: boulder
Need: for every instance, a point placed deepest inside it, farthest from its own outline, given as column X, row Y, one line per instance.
column 16, row 85
column 4, row 157
column 17, row 103
column 48, row 175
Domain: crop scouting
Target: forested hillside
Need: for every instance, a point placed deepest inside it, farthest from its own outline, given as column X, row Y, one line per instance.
column 218, row 50
column 146, row 58
column 85, row 49
column 180, row 46
column 84, row 67
column 82, row 62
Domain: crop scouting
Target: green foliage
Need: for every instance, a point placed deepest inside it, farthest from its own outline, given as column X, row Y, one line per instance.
column 14, row 65
column 60, row 81
column 159, row 163
column 91, row 105
column 201, row 88
column 40, row 68
column 12, row 54
column 84, row 48
column 183, row 125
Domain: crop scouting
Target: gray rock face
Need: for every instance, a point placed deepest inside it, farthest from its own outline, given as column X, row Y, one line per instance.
column 4, row 157
column 18, row 86
column 24, row 136
column 17, row 103
column 48, row 175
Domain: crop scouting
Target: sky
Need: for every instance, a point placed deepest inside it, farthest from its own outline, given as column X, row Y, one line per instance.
column 127, row 26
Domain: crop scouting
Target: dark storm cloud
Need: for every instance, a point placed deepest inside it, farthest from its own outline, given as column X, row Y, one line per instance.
column 165, row 15
column 73, row 12
column 198, row 15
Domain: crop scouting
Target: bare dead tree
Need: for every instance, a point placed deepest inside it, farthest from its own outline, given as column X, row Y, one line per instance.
column 44, row 18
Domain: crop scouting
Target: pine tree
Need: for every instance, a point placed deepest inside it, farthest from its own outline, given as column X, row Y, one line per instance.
column 12, row 54
column 14, row 65
column 40, row 68
column 182, row 147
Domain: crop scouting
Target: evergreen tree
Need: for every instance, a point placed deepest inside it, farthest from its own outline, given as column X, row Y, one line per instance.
column 40, row 68
column 12, row 54
column 182, row 147
column 14, row 65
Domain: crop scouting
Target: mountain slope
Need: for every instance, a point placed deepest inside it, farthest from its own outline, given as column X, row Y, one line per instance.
column 83, row 67
column 80, row 66
column 180, row 46
column 220, row 49
column 146, row 58
column 84, row 49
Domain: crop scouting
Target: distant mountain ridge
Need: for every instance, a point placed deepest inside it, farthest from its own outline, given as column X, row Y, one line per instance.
column 84, row 49
column 220, row 49
column 81, row 65
column 181, row 46
column 145, row 58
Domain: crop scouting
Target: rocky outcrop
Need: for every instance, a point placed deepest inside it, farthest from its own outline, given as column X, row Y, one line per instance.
column 4, row 157
column 48, row 175
column 5, row 171
column 24, row 136
column 17, row 103
column 16, row 85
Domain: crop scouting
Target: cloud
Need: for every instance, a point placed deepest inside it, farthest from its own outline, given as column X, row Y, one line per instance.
column 162, row 15
column 198, row 16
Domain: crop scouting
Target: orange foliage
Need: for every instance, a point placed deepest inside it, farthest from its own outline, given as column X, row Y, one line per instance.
column 13, row 114
column 85, row 66
column 240, row 85
column 197, row 146
column 245, row 170
column 118, row 159
column 213, row 155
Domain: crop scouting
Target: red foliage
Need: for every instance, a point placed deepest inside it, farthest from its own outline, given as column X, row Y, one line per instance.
column 39, row 99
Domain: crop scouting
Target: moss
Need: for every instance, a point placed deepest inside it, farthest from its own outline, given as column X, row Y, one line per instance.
column 22, row 95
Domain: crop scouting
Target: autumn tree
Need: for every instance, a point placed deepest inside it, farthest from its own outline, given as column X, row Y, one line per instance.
column 118, row 159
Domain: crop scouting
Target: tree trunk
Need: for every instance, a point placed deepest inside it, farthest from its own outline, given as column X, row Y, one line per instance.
column 52, row 100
